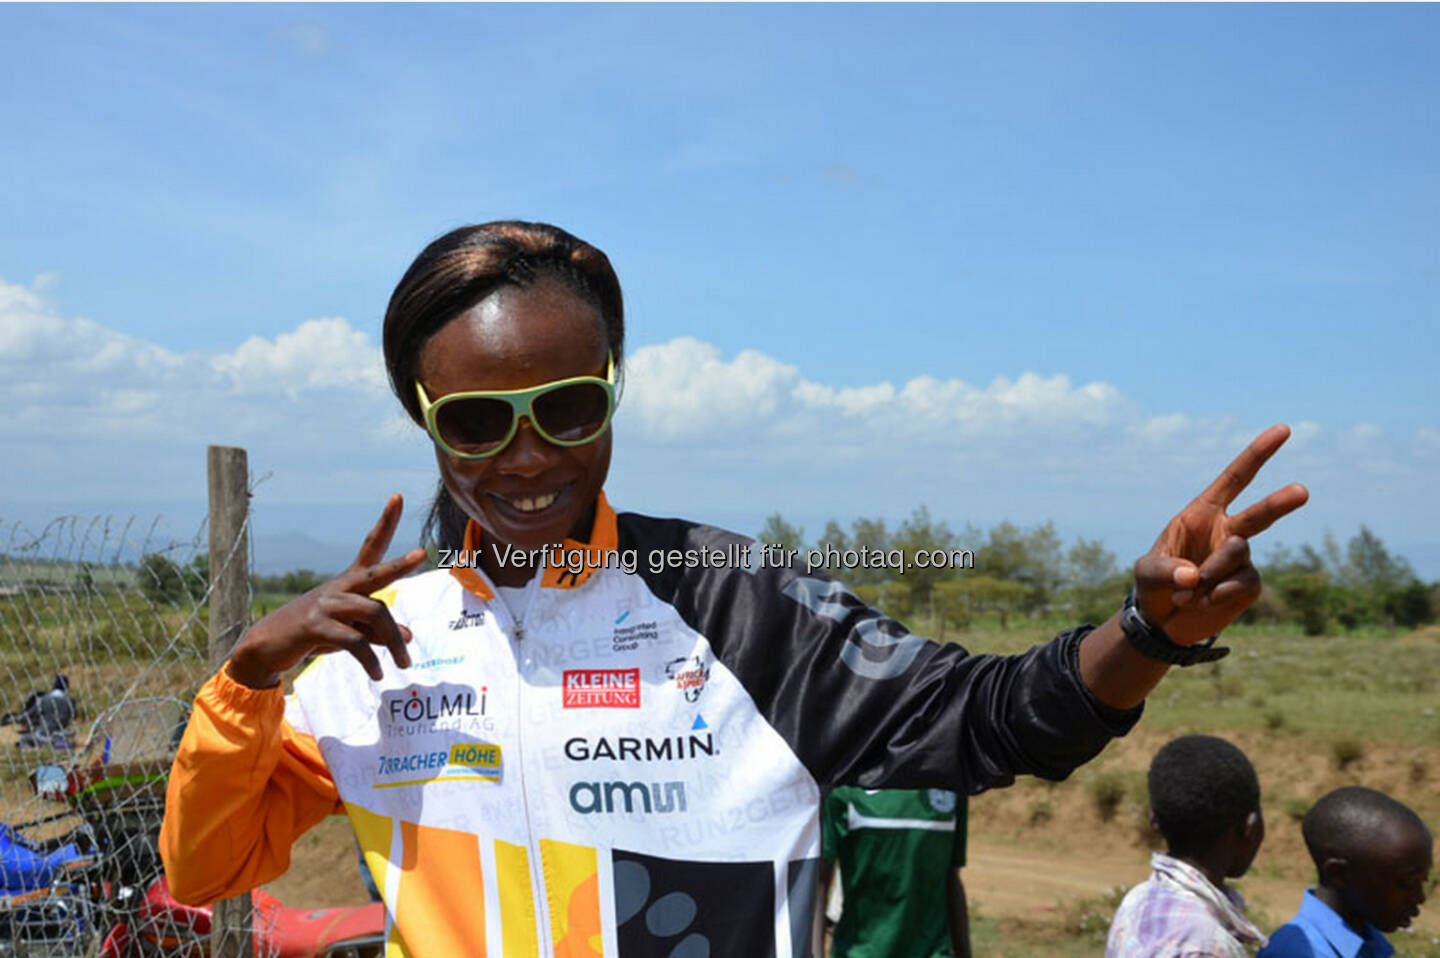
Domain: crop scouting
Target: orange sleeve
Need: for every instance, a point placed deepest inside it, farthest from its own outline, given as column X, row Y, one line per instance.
column 243, row 787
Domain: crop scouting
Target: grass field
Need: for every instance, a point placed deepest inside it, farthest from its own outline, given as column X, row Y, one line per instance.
column 1312, row 713
column 1047, row 860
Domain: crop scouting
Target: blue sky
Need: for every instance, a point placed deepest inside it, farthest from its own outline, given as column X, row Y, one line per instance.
column 1087, row 250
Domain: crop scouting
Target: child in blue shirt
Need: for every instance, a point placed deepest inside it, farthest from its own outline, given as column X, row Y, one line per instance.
column 1373, row 858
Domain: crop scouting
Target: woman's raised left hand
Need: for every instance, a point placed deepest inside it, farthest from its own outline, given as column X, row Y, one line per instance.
column 1198, row 577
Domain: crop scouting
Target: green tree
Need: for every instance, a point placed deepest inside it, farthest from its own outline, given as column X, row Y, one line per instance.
column 1089, row 563
column 778, row 532
column 834, row 536
column 1410, row 606
column 300, row 581
column 1094, row 584
column 869, row 535
column 965, row 598
column 1032, row 557
column 952, row 605
column 1004, row 555
column 1370, row 566
column 1307, row 595
column 1351, row 607
column 917, row 534
column 161, row 579
column 832, row 543
column 197, row 576
column 1283, row 560
column 886, row 597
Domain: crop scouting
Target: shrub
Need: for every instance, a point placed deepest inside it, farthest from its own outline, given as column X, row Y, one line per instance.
column 1306, row 595
column 160, row 579
column 1088, row 920
column 1107, row 791
column 887, row 597
column 1346, row 751
column 1351, row 607
column 1270, row 609
column 1410, row 606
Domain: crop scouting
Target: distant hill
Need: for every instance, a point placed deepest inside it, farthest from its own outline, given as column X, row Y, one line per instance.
column 287, row 551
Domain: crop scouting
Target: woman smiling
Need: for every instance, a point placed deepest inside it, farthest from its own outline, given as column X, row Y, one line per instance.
column 608, row 759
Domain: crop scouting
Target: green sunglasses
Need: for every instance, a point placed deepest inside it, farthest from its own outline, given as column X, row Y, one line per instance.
column 480, row 424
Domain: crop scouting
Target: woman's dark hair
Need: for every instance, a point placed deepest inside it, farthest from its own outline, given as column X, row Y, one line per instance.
column 460, row 269
column 1200, row 786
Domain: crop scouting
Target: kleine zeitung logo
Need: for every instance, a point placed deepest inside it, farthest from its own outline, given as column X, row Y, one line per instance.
column 601, row 688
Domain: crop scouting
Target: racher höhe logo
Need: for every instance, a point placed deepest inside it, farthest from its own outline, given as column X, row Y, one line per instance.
column 602, row 688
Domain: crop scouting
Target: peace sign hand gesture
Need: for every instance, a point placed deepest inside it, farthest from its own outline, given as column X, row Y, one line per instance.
column 334, row 616
column 1198, row 577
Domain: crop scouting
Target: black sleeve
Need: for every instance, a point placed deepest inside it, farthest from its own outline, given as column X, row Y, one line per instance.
column 860, row 699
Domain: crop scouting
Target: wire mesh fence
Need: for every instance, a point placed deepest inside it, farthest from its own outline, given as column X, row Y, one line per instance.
column 103, row 642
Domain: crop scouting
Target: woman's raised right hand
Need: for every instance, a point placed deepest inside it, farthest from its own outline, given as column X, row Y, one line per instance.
column 338, row 615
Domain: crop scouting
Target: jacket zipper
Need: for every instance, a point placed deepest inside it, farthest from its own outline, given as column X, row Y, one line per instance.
column 532, row 843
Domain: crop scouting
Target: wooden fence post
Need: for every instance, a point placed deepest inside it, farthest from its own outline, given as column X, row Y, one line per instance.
column 231, row 935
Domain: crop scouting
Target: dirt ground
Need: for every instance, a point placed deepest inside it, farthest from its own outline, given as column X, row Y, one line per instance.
column 1038, row 851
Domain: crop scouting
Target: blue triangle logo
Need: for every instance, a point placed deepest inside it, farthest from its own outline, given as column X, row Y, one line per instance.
column 699, row 724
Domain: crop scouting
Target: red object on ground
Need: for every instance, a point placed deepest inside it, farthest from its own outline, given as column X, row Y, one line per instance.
column 165, row 924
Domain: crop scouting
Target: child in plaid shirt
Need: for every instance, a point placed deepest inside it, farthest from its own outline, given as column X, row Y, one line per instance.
column 1205, row 801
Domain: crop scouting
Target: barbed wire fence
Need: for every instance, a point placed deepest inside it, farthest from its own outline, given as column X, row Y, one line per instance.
column 105, row 635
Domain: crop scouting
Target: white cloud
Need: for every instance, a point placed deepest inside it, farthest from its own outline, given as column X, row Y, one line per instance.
column 319, row 353
column 71, row 380
column 1163, row 429
column 90, row 410
column 33, row 334
column 684, row 390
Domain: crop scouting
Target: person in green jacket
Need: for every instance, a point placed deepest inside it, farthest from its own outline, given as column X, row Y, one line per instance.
column 900, row 852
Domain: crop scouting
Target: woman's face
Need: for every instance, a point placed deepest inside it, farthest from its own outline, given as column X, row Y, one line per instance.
column 532, row 493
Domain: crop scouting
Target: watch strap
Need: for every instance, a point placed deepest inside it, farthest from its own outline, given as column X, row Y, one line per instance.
column 1153, row 643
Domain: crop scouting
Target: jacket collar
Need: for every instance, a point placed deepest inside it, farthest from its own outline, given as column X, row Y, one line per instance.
column 556, row 574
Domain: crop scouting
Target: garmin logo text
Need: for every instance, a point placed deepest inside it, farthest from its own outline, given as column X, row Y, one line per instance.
column 602, row 689
column 675, row 748
column 592, row 798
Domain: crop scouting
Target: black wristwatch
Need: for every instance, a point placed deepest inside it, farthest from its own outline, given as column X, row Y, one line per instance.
column 1153, row 643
